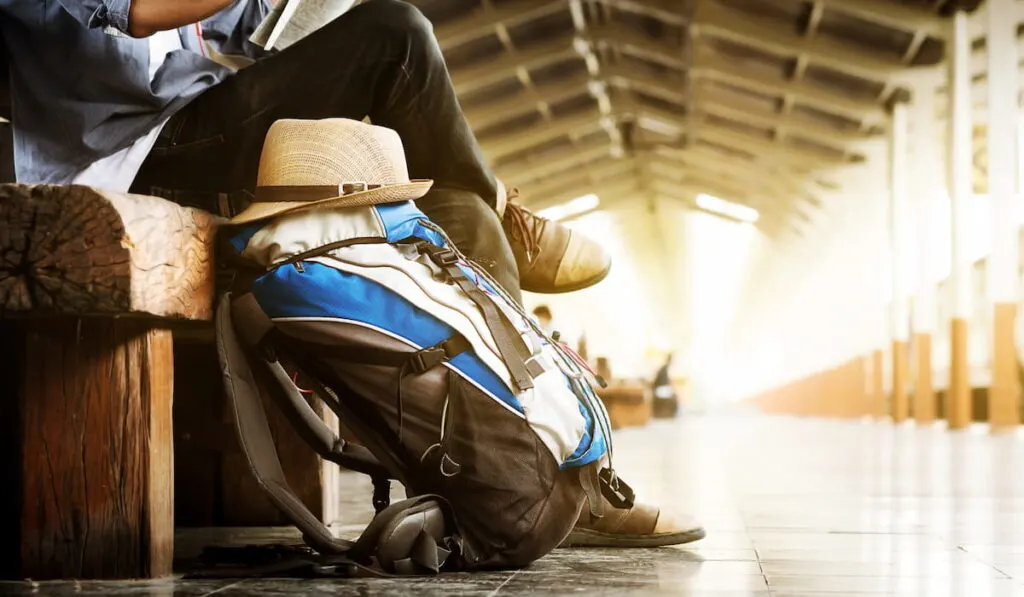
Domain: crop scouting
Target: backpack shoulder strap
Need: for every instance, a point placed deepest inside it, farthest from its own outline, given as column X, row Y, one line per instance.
column 411, row 537
column 512, row 350
column 255, row 328
column 254, row 435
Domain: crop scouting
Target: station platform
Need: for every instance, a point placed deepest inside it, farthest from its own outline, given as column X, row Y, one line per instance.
column 793, row 507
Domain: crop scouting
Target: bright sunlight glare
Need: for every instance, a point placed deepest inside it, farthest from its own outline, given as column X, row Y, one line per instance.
column 727, row 208
column 575, row 207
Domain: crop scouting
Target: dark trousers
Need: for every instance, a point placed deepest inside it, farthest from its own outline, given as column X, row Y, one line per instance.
column 380, row 60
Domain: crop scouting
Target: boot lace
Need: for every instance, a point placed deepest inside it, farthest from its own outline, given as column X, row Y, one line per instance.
column 525, row 226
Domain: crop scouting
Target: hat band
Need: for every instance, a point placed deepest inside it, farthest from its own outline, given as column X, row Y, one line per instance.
column 308, row 193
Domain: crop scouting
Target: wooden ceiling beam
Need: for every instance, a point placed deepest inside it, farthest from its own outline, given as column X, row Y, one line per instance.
column 485, row 20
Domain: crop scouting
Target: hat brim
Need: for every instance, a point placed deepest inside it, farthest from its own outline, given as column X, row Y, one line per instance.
column 398, row 193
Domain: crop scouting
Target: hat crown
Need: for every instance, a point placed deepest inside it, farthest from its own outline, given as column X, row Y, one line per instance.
column 330, row 152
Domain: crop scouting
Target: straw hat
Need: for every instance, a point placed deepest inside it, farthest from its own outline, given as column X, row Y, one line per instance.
column 337, row 162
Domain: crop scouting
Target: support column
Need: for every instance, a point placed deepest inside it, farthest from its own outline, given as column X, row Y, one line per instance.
column 1004, row 260
column 878, row 406
column 898, row 199
column 88, row 465
column 927, row 161
column 959, row 165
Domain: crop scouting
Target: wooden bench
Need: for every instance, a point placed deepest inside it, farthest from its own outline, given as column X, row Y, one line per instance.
column 91, row 284
column 105, row 310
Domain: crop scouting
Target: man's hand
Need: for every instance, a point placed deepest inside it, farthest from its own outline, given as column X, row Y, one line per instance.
column 149, row 16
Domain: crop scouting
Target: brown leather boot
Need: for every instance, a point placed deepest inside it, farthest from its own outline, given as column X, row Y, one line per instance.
column 551, row 257
column 640, row 526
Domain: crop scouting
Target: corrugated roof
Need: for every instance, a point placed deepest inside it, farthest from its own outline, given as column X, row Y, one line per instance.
column 751, row 100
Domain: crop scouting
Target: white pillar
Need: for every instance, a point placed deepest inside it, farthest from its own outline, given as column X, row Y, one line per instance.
column 925, row 190
column 959, row 166
column 960, row 163
column 899, row 199
column 899, row 182
column 927, row 161
column 1002, row 150
column 1004, row 261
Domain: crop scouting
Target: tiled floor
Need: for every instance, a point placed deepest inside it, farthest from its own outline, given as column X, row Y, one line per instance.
column 792, row 507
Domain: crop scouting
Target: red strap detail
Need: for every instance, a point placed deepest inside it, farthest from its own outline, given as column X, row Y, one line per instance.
column 199, row 34
column 295, row 380
column 579, row 360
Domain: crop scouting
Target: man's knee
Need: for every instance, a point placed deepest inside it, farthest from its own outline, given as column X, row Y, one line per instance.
column 476, row 230
column 398, row 15
column 489, row 247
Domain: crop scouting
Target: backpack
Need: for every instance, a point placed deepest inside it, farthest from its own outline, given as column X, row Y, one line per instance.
column 450, row 388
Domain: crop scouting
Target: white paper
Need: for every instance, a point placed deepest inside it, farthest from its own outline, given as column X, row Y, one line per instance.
column 261, row 36
column 292, row 20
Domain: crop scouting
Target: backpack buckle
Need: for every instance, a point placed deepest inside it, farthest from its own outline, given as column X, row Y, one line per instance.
column 446, row 257
column 424, row 360
column 615, row 490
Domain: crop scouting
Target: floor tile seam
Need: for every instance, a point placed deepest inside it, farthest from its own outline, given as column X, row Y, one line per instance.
column 502, row 585
column 219, row 589
column 978, row 558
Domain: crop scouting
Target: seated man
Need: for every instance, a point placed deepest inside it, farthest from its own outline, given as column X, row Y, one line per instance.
column 95, row 106
column 121, row 94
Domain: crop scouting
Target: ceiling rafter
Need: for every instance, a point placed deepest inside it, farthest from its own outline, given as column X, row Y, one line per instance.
column 541, row 133
column 612, row 194
column 484, row 115
column 710, row 66
column 737, row 108
column 607, row 179
column 778, row 183
column 482, row 22
column 891, row 14
column 723, row 187
column 769, row 35
column 473, row 78
column 581, row 170
column 717, row 121
column 526, row 170
column 598, row 86
column 800, row 67
column 743, row 141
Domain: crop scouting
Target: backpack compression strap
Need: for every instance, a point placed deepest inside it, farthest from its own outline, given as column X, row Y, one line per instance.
column 513, row 352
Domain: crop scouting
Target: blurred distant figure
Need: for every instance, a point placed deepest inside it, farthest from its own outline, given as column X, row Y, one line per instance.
column 546, row 322
column 582, row 349
column 666, row 402
column 543, row 316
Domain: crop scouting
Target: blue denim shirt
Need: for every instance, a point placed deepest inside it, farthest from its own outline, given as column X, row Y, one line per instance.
column 80, row 86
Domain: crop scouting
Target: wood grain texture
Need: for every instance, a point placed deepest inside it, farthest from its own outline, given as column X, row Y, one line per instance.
column 94, row 481
column 75, row 250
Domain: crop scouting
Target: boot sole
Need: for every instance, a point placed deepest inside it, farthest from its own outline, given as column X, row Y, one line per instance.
column 574, row 287
column 589, row 538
